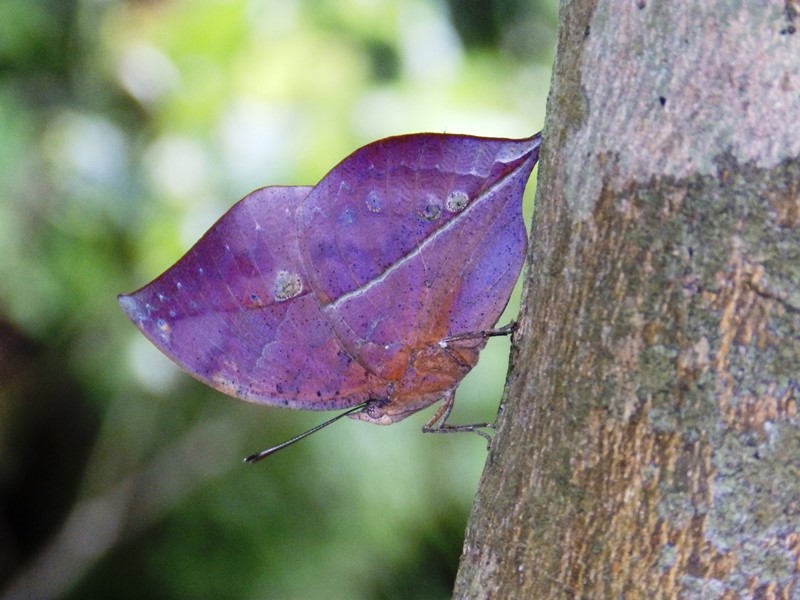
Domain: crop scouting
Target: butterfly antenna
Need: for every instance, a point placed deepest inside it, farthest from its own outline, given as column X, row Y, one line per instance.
column 269, row 451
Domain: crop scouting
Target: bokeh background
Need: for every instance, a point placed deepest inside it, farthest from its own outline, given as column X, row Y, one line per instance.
column 126, row 129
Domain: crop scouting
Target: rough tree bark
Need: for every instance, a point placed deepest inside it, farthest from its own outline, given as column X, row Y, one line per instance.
column 649, row 444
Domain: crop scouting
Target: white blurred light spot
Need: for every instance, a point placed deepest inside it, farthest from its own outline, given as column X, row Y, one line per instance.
column 85, row 149
column 269, row 18
column 381, row 113
column 429, row 47
column 259, row 141
column 151, row 368
column 147, row 73
column 180, row 168
column 199, row 219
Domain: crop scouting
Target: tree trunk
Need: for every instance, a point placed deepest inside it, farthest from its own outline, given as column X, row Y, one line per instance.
column 649, row 444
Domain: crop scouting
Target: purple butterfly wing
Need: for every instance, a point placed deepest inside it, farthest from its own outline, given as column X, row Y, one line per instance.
column 236, row 312
column 414, row 239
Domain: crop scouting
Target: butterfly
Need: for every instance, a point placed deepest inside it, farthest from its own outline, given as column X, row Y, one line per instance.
column 373, row 291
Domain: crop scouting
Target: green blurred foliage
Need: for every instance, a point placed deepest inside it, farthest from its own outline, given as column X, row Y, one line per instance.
column 127, row 128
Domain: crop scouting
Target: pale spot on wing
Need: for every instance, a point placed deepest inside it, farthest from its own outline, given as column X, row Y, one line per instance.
column 348, row 216
column 374, row 203
column 430, row 211
column 456, row 201
column 287, row 285
column 164, row 330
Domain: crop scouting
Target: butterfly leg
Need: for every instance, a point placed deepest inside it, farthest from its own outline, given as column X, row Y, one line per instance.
column 439, row 424
column 481, row 335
